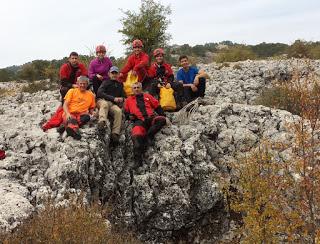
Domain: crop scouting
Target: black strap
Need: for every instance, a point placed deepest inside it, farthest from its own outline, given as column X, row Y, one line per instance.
column 141, row 105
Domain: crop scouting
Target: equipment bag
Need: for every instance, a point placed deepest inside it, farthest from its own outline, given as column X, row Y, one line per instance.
column 167, row 101
column 131, row 79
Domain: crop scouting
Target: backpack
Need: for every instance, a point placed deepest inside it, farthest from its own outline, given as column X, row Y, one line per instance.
column 167, row 101
column 131, row 79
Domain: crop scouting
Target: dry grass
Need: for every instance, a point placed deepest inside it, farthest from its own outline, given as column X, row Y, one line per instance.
column 74, row 224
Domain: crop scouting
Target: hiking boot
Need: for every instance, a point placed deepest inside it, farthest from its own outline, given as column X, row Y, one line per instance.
column 101, row 125
column 75, row 134
column 115, row 138
column 61, row 129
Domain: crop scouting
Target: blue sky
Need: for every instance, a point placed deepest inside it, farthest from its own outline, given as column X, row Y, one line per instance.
column 51, row 29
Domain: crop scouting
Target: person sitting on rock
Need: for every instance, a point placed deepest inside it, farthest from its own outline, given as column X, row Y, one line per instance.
column 78, row 106
column 137, row 63
column 99, row 68
column 69, row 72
column 148, row 118
column 110, row 98
column 161, row 75
column 193, row 80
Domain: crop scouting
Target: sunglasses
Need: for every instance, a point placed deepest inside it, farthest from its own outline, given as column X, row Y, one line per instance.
column 136, row 87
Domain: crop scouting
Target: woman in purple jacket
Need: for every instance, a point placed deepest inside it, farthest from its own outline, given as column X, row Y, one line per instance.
column 99, row 68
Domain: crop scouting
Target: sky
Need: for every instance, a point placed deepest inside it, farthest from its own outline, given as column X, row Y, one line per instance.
column 51, row 29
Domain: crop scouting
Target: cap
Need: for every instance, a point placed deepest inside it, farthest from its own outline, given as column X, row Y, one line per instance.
column 114, row 69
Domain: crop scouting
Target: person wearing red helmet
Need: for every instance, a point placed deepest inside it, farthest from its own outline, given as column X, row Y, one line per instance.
column 99, row 68
column 137, row 63
column 161, row 75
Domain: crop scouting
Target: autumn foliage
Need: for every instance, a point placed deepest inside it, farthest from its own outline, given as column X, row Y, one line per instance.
column 278, row 184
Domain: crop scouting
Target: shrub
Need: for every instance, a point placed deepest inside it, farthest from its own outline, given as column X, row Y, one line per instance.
column 234, row 54
column 279, row 197
column 76, row 223
column 35, row 86
column 299, row 49
column 291, row 95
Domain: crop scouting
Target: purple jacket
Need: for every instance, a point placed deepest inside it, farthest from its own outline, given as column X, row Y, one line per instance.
column 100, row 67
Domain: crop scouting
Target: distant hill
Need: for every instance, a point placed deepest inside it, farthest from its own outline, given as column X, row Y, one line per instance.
column 225, row 51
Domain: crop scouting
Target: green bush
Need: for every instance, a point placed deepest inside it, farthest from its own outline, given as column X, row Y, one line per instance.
column 234, row 54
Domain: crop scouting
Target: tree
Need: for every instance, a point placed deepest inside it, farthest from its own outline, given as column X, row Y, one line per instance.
column 149, row 24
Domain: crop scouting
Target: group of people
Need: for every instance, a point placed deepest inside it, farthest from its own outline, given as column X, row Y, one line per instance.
column 101, row 86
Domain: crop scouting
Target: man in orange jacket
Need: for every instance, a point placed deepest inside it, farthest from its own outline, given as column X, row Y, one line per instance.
column 137, row 62
column 78, row 105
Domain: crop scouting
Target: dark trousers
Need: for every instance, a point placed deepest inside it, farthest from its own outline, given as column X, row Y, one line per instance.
column 143, row 129
column 95, row 83
column 189, row 95
column 154, row 90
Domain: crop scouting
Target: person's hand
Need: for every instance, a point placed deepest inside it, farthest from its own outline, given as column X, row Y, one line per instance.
column 133, row 72
column 120, row 76
column 118, row 99
column 196, row 80
column 68, row 116
column 180, row 81
column 100, row 77
column 75, row 86
column 159, row 85
column 168, row 85
column 194, row 88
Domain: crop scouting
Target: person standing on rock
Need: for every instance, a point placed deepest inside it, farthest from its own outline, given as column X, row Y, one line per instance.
column 147, row 116
column 69, row 72
column 193, row 80
column 99, row 68
column 161, row 75
column 78, row 105
column 137, row 63
column 110, row 97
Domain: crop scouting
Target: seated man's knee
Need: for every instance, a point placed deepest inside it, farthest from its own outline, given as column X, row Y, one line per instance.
column 102, row 104
column 138, row 131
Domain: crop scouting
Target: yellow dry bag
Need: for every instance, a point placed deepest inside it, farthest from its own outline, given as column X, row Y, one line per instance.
column 167, row 101
column 131, row 79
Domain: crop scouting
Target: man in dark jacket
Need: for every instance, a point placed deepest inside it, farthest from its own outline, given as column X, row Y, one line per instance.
column 148, row 118
column 69, row 72
column 110, row 98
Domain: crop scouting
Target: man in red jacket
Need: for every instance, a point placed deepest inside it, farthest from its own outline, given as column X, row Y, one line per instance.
column 137, row 62
column 161, row 75
column 69, row 72
column 148, row 118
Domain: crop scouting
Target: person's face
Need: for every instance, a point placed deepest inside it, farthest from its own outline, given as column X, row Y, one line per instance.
column 74, row 60
column 101, row 54
column 136, row 89
column 83, row 85
column 137, row 50
column 184, row 63
column 159, row 59
column 113, row 75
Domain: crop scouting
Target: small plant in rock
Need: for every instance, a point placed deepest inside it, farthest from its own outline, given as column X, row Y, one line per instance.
column 234, row 54
column 76, row 223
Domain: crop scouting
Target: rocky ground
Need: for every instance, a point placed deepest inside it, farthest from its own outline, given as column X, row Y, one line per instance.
column 176, row 194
